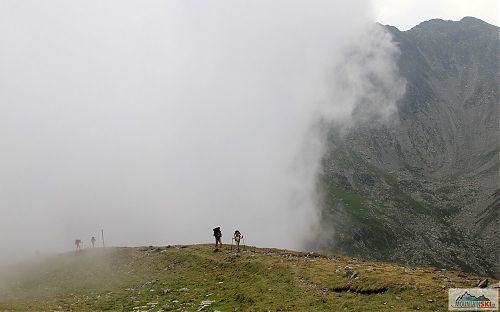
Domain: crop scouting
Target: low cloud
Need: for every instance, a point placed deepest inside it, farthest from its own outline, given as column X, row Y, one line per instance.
column 157, row 121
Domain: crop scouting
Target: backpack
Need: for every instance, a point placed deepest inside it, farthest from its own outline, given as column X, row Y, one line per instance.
column 217, row 232
column 237, row 234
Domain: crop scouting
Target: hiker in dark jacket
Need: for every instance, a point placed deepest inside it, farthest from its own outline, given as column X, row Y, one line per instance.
column 218, row 236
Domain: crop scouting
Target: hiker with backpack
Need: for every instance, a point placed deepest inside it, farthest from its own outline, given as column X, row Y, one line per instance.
column 77, row 243
column 218, row 236
column 237, row 237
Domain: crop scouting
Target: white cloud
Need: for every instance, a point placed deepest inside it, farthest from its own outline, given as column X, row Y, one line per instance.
column 158, row 120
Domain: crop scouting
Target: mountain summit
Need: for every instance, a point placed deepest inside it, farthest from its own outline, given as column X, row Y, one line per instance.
column 424, row 188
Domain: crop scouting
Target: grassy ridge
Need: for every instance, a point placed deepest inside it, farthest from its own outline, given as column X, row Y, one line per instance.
column 182, row 278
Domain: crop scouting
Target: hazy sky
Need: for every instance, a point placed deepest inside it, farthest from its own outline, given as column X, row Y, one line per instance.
column 158, row 120
column 405, row 14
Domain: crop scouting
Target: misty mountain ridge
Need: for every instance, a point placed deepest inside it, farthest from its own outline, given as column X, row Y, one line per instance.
column 195, row 278
column 424, row 187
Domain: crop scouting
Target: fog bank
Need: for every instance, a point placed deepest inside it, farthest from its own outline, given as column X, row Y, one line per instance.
column 158, row 120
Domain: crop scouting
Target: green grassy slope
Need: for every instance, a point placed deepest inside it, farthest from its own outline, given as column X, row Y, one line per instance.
column 182, row 278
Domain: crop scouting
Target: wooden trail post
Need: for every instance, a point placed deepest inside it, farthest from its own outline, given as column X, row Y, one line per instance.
column 102, row 235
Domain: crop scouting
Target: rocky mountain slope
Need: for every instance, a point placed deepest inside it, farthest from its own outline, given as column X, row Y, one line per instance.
column 195, row 278
column 424, row 187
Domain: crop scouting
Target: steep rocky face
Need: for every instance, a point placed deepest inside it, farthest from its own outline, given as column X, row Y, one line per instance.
column 424, row 187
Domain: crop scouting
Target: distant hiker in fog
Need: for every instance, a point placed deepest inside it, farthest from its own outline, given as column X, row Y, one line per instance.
column 77, row 243
column 92, row 240
column 237, row 237
column 218, row 236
